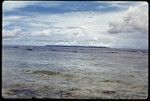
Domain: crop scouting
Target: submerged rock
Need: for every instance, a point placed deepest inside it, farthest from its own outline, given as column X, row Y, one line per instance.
column 108, row 92
column 16, row 46
column 29, row 48
column 46, row 72
column 74, row 51
column 17, row 93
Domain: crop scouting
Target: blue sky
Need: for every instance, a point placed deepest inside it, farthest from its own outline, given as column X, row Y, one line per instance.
column 68, row 6
column 88, row 23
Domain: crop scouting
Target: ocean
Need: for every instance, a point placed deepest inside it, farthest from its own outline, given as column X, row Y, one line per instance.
column 74, row 72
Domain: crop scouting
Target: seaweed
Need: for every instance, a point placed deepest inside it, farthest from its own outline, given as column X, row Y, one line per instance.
column 74, row 51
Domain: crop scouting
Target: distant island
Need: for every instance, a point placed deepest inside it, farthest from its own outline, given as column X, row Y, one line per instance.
column 76, row 46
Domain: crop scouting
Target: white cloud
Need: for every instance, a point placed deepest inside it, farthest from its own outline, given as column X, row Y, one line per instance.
column 12, row 33
column 130, row 29
column 127, row 40
column 13, row 17
column 7, row 20
column 135, row 19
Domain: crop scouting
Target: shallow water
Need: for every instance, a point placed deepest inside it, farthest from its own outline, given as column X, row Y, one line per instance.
column 74, row 72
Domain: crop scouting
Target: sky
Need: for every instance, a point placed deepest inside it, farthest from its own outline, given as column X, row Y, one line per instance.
column 116, row 24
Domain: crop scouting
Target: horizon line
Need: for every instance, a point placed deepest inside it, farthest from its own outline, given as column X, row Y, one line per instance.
column 76, row 46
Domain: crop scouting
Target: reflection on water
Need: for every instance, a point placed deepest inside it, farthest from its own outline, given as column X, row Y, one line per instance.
column 74, row 72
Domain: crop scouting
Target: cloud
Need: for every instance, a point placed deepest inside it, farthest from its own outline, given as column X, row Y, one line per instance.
column 8, row 20
column 13, row 17
column 82, row 28
column 12, row 33
column 130, row 29
column 135, row 19
column 128, row 40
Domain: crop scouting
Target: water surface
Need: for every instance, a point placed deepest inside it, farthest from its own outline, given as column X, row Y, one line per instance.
column 74, row 72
